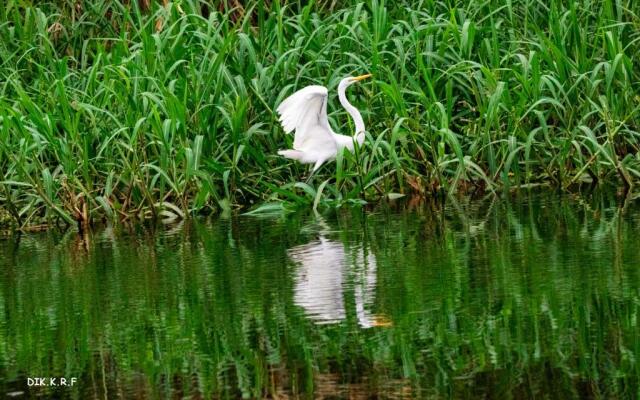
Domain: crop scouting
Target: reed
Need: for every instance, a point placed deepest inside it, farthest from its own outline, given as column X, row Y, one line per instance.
column 109, row 111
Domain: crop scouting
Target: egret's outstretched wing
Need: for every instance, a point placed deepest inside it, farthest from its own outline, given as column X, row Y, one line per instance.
column 305, row 112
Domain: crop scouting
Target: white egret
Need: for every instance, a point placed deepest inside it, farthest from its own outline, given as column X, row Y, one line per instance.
column 305, row 112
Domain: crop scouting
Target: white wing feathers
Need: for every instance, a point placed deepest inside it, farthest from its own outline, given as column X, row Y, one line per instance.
column 305, row 112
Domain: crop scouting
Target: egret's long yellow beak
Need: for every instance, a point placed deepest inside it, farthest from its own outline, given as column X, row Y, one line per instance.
column 361, row 77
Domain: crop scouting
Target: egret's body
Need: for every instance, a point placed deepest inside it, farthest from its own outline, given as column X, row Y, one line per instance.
column 305, row 114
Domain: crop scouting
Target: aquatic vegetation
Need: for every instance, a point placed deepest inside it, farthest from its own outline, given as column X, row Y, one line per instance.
column 108, row 111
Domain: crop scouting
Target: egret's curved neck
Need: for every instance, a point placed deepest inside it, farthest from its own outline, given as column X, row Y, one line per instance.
column 355, row 114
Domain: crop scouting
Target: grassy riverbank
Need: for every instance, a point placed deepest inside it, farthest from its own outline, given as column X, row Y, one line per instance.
column 108, row 111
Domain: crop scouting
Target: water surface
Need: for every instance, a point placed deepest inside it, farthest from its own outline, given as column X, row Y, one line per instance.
column 527, row 297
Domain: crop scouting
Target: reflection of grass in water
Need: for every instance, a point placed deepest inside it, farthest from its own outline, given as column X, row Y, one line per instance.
column 511, row 300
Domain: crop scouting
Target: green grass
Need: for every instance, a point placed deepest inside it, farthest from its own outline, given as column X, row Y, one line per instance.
column 105, row 116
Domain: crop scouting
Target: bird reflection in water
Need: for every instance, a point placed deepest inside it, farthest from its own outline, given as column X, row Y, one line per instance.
column 325, row 273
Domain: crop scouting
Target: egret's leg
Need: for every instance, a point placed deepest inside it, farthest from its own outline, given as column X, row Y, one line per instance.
column 311, row 172
column 316, row 166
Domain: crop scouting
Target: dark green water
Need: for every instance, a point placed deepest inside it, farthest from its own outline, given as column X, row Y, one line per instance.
column 535, row 297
